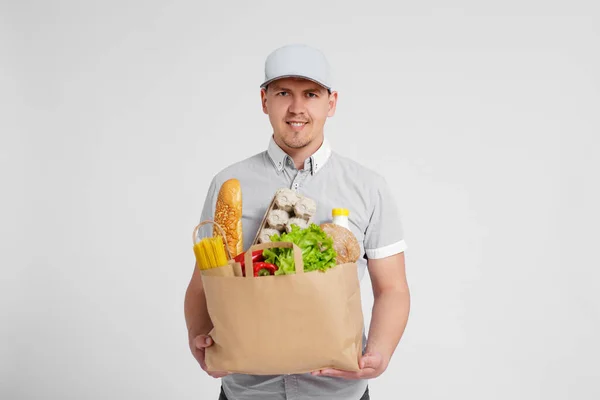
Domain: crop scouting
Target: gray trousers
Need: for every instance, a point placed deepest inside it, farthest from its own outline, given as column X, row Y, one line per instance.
column 364, row 397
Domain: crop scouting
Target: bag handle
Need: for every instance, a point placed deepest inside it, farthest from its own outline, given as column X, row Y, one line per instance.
column 209, row 221
column 298, row 263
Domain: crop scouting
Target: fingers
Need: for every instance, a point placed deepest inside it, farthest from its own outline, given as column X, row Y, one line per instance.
column 339, row 374
column 202, row 341
column 217, row 374
column 369, row 362
column 369, row 368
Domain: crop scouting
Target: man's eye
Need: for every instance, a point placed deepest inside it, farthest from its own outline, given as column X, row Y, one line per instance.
column 282, row 94
column 312, row 95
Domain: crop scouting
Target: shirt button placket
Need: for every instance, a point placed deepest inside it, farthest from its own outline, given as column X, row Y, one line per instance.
column 296, row 181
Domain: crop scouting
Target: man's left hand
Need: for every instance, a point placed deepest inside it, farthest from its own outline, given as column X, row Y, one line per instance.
column 371, row 366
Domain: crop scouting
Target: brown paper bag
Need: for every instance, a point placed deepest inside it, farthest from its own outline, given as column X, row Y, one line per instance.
column 285, row 324
column 226, row 270
column 230, row 270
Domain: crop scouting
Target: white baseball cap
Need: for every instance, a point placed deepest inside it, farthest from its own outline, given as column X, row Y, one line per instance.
column 300, row 61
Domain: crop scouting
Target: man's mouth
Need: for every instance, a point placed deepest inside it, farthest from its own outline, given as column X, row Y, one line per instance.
column 296, row 124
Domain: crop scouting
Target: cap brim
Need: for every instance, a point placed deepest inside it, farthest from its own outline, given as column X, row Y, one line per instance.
column 265, row 83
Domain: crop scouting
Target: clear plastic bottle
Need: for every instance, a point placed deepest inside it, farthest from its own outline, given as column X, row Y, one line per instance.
column 340, row 216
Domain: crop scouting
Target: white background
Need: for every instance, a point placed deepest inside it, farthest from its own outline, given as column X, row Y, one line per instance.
column 114, row 116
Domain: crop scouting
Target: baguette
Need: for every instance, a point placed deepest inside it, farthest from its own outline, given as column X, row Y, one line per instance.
column 228, row 214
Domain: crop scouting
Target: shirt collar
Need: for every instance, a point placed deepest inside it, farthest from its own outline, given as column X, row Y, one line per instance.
column 314, row 162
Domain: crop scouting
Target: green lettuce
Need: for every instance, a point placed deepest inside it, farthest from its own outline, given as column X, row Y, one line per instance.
column 317, row 250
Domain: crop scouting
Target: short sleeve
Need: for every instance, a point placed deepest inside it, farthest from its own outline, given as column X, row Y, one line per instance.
column 384, row 235
column 208, row 210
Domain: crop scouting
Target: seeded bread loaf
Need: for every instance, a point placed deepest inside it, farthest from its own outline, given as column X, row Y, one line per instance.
column 228, row 214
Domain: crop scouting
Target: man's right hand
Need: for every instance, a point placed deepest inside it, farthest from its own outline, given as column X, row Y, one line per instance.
column 198, row 346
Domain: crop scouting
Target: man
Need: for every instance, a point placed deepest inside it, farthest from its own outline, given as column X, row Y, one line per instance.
column 297, row 96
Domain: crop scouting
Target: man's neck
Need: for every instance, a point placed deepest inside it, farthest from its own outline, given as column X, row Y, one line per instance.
column 300, row 155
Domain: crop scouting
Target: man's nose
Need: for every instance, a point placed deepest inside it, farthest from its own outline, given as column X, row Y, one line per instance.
column 297, row 105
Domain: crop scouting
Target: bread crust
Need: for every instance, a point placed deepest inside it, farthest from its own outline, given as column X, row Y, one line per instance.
column 345, row 243
column 228, row 214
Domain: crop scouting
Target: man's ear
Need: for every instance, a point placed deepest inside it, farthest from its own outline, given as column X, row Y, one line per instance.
column 332, row 103
column 263, row 100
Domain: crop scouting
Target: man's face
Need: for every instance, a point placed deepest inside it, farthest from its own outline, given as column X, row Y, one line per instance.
column 297, row 109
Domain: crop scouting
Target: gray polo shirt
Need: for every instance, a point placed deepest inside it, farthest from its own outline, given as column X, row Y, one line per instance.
column 333, row 181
